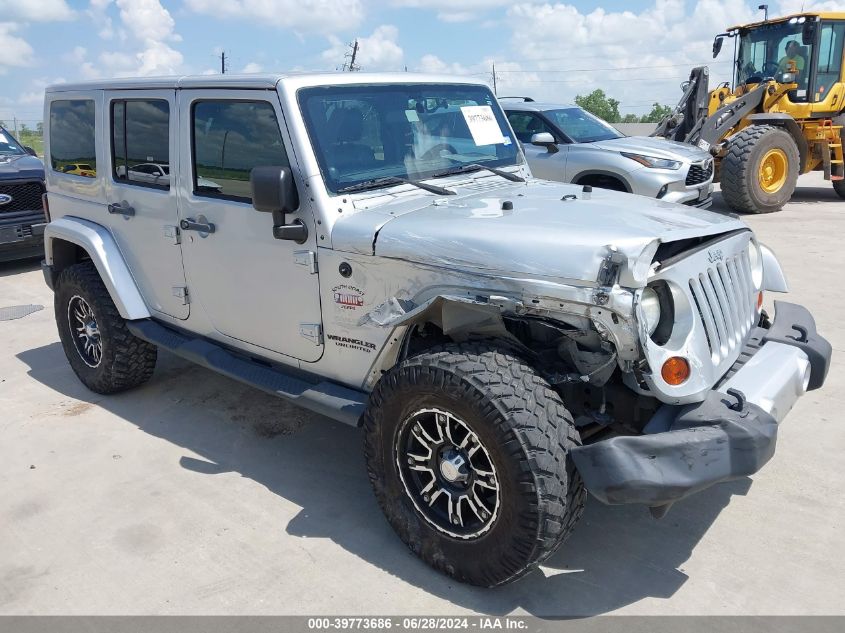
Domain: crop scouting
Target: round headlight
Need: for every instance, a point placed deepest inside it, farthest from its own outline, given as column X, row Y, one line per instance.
column 650, row 306
column 756, row 259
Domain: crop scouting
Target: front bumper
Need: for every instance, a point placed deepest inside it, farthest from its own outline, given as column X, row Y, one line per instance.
column 671, row 186
column 731, row 434
column 21, row 241
column 702, row 204
column 693, row 196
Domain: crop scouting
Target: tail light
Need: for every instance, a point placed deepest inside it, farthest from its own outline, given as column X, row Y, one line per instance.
column 46, row 204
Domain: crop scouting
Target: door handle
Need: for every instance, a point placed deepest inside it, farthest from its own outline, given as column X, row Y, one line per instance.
column 122, row 208
column 190, row 224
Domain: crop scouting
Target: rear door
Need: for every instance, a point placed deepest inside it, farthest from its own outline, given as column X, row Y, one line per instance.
column 142, row 212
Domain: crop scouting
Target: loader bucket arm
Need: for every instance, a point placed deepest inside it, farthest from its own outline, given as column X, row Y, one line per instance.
column 713, row 129
column 691, row 109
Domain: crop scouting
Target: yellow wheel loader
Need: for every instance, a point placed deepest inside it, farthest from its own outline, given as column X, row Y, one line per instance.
column 781, row 117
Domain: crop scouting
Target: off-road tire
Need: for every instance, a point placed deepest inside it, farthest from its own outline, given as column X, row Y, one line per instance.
column 126, row 361
column 525, row 428
column 741, row 187
column 839, row 187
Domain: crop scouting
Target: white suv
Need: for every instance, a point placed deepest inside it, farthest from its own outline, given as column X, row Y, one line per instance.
column 568, row 144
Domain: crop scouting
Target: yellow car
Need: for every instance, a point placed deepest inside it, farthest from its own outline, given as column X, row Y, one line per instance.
column 80, row 169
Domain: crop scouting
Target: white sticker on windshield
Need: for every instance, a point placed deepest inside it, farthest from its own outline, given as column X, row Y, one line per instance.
column 482, row 125
column 3, row 138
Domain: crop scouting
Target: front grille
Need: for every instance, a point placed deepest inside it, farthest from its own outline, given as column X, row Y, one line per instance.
column 725, row 298
column 26, row 196
column 700, row 173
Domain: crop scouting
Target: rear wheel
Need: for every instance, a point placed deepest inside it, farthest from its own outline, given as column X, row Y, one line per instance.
column 102, row 352
column 760, row 170
column 467, row 452
column 839, row 187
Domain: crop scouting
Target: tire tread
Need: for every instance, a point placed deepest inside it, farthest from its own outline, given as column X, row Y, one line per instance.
column 129, row 361
column 540, row 434
column 735, row 174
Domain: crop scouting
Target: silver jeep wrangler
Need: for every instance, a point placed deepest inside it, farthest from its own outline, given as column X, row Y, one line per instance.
column 375, row 249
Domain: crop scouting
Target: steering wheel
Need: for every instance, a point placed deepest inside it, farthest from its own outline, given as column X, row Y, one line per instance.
column 770, row 69
column 437, row 149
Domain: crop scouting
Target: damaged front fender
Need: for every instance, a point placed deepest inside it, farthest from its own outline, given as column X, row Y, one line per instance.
column 457, row 317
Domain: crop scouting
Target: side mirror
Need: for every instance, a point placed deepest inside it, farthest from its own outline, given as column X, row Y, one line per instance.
column 717, row 46
column 808, row 33
column 29, row 151
column 273, row 191
column 544, row 139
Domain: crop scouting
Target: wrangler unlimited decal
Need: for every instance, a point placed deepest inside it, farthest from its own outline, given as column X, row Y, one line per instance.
column 352, row 343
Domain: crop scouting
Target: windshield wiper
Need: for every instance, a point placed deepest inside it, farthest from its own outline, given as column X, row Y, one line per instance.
column 375, row 183
column 477, row 167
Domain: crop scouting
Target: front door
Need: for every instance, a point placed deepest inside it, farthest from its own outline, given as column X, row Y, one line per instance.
column 545, row 164
column 252, row 287
column 142, row 213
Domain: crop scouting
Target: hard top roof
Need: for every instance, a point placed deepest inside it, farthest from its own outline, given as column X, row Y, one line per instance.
column 267, row 81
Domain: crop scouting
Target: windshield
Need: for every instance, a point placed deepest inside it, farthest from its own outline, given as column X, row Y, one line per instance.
column 771, row 50
column 8, row 145
column 409, row 131
column 581, row 126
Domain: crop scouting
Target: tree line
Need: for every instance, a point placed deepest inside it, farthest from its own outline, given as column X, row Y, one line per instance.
column 607, row 108
column 28, row 136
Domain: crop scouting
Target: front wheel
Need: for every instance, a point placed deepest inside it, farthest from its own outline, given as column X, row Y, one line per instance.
column 760, row 170
column 467, row 450
column 839, row 187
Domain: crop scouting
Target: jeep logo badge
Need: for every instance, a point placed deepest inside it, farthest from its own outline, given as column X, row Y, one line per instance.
column 5, row 199
column 715, row 256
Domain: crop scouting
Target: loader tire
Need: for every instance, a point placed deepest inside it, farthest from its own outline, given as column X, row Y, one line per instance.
column 760, row 170
column 839, row 187
column 467, row 450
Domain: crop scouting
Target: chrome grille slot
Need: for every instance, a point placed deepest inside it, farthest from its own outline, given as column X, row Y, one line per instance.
column 724, row 298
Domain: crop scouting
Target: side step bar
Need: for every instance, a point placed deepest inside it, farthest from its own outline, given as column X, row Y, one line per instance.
column 329, row 399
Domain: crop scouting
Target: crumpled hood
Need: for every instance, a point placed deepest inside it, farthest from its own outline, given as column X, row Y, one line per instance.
column 20, row 167
column 542, row 236
column 659, row 148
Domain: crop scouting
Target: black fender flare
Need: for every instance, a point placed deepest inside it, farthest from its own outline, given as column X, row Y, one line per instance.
column 604, row 172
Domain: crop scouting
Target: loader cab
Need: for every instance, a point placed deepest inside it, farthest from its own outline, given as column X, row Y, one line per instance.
column 774, row 51
column 804, row 49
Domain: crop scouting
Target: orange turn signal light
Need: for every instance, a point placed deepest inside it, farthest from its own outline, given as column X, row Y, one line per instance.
column 675, row 370
column 759, row 299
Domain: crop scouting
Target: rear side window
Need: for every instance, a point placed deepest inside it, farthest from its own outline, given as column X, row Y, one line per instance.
column 229, row 139
column 72, row 134
column 141, row 142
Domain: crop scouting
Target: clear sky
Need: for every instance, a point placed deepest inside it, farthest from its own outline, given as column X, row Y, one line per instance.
column 638, row 51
